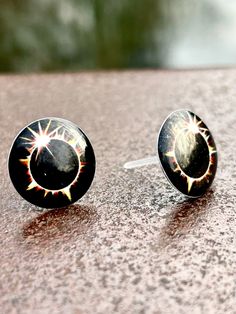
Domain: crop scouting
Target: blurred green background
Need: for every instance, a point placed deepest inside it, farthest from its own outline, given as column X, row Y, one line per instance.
column 70, row 35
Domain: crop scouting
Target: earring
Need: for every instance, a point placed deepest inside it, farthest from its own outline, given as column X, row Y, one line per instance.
column 51, row 163
column 187, row 153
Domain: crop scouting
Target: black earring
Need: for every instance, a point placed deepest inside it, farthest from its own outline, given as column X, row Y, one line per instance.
column 187, row 153
column 51, row 163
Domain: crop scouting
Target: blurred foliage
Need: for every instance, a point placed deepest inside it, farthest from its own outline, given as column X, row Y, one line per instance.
column 70, row 35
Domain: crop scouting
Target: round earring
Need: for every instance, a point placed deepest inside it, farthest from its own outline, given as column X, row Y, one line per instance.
column 51, row 163
column 187, row 153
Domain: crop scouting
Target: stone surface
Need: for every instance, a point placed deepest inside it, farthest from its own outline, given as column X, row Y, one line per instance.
column 132, row 244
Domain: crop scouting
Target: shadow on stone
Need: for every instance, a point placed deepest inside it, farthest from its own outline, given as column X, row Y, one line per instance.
column 185, row 216
column 62, row 223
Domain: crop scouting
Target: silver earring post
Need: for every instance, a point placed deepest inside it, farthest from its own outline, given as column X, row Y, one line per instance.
column 141, row 162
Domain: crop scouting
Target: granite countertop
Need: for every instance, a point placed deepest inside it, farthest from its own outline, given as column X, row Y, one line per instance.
column 132, row 244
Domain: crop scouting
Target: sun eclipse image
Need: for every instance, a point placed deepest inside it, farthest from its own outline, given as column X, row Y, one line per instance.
column 51, row 163
column 187, row 153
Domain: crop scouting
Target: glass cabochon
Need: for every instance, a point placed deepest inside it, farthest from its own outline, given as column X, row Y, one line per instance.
column 187, row 153
column 51, row 163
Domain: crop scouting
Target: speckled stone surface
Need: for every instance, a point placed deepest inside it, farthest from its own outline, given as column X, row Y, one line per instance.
column 132, row 244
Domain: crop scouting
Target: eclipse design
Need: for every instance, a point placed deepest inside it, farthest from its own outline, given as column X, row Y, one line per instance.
column 187, row 152
column 51, row 163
